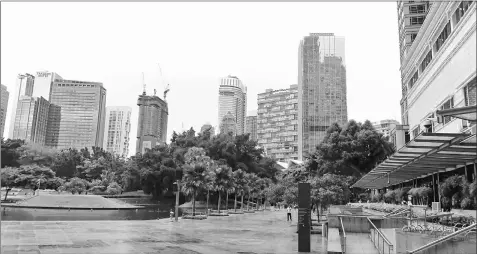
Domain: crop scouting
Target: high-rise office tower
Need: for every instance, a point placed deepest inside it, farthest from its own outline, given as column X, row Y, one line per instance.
column 24, row 87
column 321, row 88
column 4, row 94
column 31, row 119
column 228, row 124
column 77, row 114
column 117, row 130
column 152, row 122
column 251, row 127
column 233, row 100
column 208, row 127
column 277, row 123
column 43, row 83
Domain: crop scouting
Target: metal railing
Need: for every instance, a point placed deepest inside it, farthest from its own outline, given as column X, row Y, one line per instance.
column 381, row 243
column 344, row 235
column 466, row 230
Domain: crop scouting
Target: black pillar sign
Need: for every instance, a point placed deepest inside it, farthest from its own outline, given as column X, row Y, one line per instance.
column 304, row 220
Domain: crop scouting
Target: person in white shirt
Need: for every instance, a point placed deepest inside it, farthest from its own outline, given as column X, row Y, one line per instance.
column 289, row 213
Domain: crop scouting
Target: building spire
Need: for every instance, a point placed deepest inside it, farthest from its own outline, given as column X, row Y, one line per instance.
column 143, row 85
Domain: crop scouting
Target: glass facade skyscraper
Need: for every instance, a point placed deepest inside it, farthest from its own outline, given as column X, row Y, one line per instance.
column 233, row 100
column 77, row 114
column 118, row 128
column 321, row 88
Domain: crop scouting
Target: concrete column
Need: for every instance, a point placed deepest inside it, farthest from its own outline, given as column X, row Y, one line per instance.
column 438, row 185
column 433, row 188
column 465, row 172
column 475, row 171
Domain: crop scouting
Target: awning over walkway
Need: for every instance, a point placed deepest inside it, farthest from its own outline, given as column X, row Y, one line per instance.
column 466, row 113
column 427, row 154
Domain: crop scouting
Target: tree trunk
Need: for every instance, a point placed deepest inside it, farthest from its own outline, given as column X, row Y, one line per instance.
column 227, row 201
column 6, row 194
column 248, row 201
column 241, row 203
column 207, row 206
column 235, row 202
column 219, row 203
column 193, row 204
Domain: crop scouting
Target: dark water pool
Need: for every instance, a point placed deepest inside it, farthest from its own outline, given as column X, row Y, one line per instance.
column 152, row 211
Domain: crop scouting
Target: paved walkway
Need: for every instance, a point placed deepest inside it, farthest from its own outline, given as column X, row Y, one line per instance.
column 359, row 243
column 260, row 232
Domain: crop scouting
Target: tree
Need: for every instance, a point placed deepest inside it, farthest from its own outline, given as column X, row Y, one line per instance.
column 195, row 179
column 354, row 149
column 223, row 179
column 8, row 177
column 329, row 189
column 252, row 189
column 10, row 153
column 65, row 162
column 240, row 183
column 75, row 185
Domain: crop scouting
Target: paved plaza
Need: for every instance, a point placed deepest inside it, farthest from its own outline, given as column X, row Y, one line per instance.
column 260, row 232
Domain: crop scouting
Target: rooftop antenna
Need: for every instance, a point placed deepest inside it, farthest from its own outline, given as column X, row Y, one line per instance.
column 166, row 90
column 143, row 85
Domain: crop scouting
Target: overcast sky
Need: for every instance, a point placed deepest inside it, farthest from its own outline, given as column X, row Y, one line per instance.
column 197, row 43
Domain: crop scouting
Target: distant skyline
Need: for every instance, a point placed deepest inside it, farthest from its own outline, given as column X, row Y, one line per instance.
column 195, row 45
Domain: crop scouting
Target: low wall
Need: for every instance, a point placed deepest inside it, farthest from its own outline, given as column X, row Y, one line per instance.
column 360, row 224
column 407, row 241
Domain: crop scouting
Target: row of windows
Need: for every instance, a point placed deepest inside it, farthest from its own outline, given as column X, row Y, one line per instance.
column 469, row 99
column 441, row 39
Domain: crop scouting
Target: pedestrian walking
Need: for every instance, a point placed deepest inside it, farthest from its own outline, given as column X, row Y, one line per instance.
column 289, row 210
column 171, row 214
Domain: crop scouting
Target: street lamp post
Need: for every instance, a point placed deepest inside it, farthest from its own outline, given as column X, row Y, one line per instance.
column 177, row 199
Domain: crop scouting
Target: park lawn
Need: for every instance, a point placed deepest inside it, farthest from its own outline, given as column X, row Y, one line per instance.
column 73, row 201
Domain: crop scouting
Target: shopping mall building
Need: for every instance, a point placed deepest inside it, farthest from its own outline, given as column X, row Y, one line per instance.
column 438, row 71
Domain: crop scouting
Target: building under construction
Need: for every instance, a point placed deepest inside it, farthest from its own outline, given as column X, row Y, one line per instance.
column 152, row 122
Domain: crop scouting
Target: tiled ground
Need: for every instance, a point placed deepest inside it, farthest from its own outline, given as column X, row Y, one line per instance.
column 261, row 232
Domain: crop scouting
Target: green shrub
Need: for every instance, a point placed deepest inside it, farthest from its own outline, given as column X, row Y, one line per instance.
column 113, row 188
column 401, row 194
column 473, row 189
column 467, row 203
column 376, row 197
column 389, row 196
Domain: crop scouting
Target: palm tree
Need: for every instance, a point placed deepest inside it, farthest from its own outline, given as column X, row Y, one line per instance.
column 251, row 179
column 195, row 180
column 223, row 177
column 240, row 182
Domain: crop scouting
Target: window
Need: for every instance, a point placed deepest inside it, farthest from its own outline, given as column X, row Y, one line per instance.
column 425, row 62
column 415, row 9
column 416, row 20
column 442, row 37
column 470, row 93
column 413, row 80
column 413, row 37
column 447, row 105
column 461, row 10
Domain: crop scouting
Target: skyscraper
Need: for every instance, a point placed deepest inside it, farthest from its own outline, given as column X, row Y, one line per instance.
column 77, row 114
column 385, row 126
column 43, row 83
column 228, row 124
column 277, row 124
column 4, row 94
column 233, row 100
column 251, row 127
column 24, row 87
column 208, row 127
column 117, row 130
column 152, row 122
column 31, row 119
column 321, row 88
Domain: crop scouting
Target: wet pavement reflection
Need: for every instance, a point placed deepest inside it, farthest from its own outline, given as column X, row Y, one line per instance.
column 260, row 232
